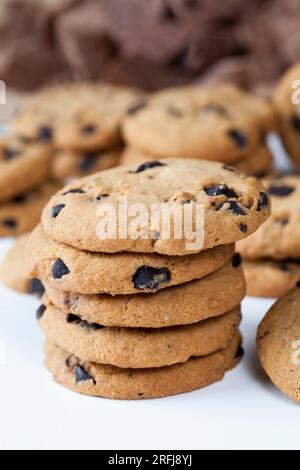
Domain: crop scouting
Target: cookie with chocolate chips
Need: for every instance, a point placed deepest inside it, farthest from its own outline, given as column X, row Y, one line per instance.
column 278, row 238
column 177, row 186
column 135, row 384
column 82, row 272
column 221, row 123
column 23, row 166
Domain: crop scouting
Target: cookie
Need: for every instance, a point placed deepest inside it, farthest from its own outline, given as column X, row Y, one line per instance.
column 13, row 272
column 278, row 238
column 233, row 206
column 22, row 213
column 137, row 347
column 257, row 164
column 132, row 384
column 267, row 278
column 185, row 304
column 23, row 166
column 285, row 99
column 81, row 116
column 69, row 269
column 66, row 164
column 278, row 344
column 221, row 123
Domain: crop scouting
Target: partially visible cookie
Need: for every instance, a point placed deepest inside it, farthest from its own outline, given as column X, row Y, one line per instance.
column 13, row 272
column 69, row 269
column 232, row 206
column 221, row 123
column 137, row 347
column 80, row 116
column 180, row 305
column 267, row 278
column 23, row 166
column 132, row 384
column 278, row 344
column 278, row 237
column 22, row 214
column 67, row 163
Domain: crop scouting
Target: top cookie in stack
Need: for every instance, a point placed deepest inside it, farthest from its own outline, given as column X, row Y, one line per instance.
column 222, row 123
column 81, row 122
column 140, row 313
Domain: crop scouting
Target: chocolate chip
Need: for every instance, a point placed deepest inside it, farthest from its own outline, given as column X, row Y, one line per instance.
column 236, row 260
column 231, row 206
column 45, row 133
column 147, row 166
column 298, row 283
column 243, row 228
column 281, row 191
column 101, row 196
column 81, row 375
column 36, row 287
column 147, row 277
column 263, row 202
column 295, row 121
column 57, row 209
column 74, row 191
column 239, row 138
column 239, row 352
column 91, row 326
column 283, row 266
column 88, row 129
column 71, row 318
column 87, row 163
column 9, row 223
column 220, row 189
column 20, row 199
column 136, row 107
column 230, row 168
column 59, row 269
column 40, row 311
column 10, row 153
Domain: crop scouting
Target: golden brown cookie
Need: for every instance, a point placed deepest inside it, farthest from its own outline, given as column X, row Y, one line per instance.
column 278, row 344
column 230, row 205
column 137, row 347
column 132, row 384
column 82, row 272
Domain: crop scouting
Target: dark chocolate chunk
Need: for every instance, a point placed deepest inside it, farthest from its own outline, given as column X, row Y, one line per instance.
column 281, row 191
column 40, row 311
column 45, row 133
column 81, row 375
column 147, row 166
column 295, row 121
column 243, row 228
column 231, row 206
column 36, row 287
column 147, row 277
column 238, row 137
column 236, row 260
column 59, row 269
column 220, row 189
column 57, row 209
column 136, row 107
column 9, row 223
column 263, row 202
column 71, row 318
column 74, row 191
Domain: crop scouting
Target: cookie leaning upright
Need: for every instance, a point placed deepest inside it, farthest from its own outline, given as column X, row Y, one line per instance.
column 234, row 205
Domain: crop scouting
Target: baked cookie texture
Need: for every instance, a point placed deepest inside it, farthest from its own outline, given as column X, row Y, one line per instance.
column 234, row 205
column 279, row 346
column 132, row 384
column 287, row 104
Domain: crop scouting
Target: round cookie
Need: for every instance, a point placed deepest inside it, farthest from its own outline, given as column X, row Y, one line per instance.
column 180, row 305
column 80, row 116
column 67, row 163
column 69, row 269
column 137, row 347
column 257, row 164
column 230, row 205
column 132, row 384
column 23, row 213
column 23, row 166
column 13, row 272
column 278, row 237
column 278, row 344
column 221, row 123
column 267, row 278
column 287, row 103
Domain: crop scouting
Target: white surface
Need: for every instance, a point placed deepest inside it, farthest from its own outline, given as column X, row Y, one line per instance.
column 244, row 411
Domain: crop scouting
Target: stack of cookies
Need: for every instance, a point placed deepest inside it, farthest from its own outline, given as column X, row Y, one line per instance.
column 81, row 122
column 222, row 123
column 146, row 314
column 271, row 255
column 24, row 184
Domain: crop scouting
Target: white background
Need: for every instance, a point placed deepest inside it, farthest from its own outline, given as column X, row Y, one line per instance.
column 244, row 411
